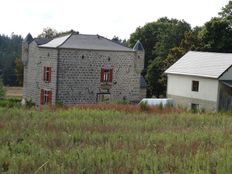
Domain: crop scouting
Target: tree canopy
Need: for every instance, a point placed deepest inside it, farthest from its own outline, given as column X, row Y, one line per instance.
column 167, row 40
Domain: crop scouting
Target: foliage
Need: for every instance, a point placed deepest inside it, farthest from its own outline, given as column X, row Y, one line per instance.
column 10, row 48
column 19, row 70
column 2, row 90
column 106, row 141
column 226, row 12
column 9, row 103
column 116, row 39
column 216, row 35
column 49, row 33
column 158, row 38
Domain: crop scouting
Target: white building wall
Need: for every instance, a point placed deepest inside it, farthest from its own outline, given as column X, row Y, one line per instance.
column 180, row 85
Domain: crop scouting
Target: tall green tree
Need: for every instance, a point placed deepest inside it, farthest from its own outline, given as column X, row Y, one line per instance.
column 226, row 11
column 19, row 70
column 158, row 38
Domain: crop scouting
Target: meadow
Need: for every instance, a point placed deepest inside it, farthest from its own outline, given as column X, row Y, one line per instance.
column 114, row 140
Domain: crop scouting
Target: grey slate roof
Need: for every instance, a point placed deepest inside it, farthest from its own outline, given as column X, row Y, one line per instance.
column 138, row 46
column 28, row 38
column 228, row 83
column 55, row 43
column 41, row 41
column 81, row 41
column 203, row 64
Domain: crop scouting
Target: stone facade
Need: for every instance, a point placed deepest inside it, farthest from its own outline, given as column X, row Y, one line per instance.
column 33, row 72
column 75, row 74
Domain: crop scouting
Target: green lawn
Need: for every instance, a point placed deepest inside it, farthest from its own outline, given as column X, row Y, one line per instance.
column 94, row 141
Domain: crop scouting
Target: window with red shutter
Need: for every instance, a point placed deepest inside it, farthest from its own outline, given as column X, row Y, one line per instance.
column 111, row 75
column 49, row 97
column 41, row 96
column 50, row 74
column 106, row 75
column 102, row 75
column 47, row 74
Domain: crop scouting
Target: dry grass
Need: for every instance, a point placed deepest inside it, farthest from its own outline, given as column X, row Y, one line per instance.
column 129, row 108
column 14, row 92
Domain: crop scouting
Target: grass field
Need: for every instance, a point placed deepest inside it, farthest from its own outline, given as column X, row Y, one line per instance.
column 108, row 141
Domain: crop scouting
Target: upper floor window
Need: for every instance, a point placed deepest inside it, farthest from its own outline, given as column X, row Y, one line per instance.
column 106, row 75
column 47, row 73
column 195, row 85
column 45, row 97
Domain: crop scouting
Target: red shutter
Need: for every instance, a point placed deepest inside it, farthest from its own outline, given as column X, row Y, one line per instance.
column 111, row 75
column 50, row 97
column 102, row 75
column 44, row 73
column 42, row 97
column 50, row 74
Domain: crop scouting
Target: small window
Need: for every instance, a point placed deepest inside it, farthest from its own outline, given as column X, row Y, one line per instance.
column 106, row 75
column 47, row 74
column 195, row 85
column 45, row 97
column 194, row 107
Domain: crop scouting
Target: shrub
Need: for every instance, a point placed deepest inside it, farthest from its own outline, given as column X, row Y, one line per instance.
column 9, row 103
column 2, row 90
column 29, row 103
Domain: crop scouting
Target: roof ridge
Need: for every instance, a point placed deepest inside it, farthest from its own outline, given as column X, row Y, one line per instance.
column 208, row 52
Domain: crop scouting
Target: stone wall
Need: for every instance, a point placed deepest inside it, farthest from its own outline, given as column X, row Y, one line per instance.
column 33, row 72
column 79, row 75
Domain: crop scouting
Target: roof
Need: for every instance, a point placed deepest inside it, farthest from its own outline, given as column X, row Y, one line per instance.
column 41, row 41
column 82, row 41
column 203, row 64
column 138, row 46
column 227, row 83
column 28, row 38
column 55, row 43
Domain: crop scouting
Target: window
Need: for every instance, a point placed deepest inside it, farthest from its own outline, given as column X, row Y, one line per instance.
column 103, row 97
column 47, row 72
column 106, row 75
column 194, row 107
column 195, row 85
column 45, row 97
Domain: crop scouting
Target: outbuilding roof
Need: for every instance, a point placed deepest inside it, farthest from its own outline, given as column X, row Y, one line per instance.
column 203, row 64
column 82, row 41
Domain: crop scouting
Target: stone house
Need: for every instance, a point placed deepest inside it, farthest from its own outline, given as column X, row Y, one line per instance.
column 78, row 68
column 201, row 80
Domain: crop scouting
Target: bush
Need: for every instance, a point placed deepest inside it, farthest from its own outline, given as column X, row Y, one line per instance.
column 9, row 103
column 2, row 90
column 29, row 103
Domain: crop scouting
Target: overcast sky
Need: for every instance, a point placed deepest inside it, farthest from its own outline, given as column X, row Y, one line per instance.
column 103, row 17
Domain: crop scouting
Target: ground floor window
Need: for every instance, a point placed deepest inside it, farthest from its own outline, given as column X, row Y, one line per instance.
column 45, row 97
column 103, row 97
column 194, row 107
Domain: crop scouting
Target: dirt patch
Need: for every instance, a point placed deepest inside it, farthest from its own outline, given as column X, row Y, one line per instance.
column 14, row 92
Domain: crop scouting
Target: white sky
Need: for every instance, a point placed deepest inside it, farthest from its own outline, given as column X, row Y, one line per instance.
column 103, row 17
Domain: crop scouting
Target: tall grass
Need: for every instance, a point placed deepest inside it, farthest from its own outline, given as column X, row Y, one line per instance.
column 107, row 140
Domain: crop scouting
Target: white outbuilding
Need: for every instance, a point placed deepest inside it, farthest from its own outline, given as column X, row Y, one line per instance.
column 201, row 80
